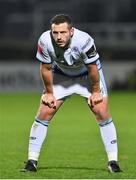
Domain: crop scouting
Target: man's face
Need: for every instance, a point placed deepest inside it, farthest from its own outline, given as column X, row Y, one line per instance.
column 62, row 34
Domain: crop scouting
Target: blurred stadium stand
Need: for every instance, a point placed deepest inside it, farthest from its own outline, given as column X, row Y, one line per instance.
column 111, row 23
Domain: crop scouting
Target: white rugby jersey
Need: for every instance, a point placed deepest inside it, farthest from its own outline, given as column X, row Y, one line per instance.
column 72, row 61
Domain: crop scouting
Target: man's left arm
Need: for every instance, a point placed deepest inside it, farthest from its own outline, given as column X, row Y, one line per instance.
column 96, row 96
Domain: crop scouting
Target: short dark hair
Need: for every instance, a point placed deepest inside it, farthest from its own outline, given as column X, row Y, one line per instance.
column 61, row 18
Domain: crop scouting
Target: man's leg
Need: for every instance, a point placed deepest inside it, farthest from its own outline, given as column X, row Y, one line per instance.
column 38, row 133
column 108, row 133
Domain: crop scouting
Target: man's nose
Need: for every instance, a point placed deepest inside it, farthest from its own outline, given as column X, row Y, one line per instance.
column 59, row 36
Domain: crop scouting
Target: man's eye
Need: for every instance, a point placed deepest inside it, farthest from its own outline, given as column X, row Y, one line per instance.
column 54, row 32
column 63, row 32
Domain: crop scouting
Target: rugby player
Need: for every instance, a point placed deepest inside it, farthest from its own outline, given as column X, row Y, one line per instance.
column 70, row 64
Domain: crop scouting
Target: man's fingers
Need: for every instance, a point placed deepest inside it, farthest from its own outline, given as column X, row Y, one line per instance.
column 95, row 99
column 44, row 102
column 50, row 105
column 89, row 101
column 92, row 103
column 55, row 104
column 49, row 100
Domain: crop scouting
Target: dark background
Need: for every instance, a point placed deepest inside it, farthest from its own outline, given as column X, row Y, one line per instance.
column 112, row 23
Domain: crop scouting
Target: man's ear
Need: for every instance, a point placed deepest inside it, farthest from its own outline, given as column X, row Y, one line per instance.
column 72, row 31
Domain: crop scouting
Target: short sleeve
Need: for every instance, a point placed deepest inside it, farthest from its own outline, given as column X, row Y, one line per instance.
column 89, row 51
column 42, row 51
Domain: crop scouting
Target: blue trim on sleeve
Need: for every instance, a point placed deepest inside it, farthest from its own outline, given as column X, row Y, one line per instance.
column 97, row 60
column 44, row 62
column 92, row 62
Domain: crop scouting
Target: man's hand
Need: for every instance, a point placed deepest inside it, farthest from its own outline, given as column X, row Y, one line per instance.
column 49, row 100
column 95, row 98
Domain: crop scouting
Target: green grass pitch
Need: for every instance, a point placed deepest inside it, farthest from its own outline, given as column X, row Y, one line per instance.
column 73, row 148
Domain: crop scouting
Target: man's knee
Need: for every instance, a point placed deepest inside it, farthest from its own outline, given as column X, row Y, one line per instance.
column 45, row 112
column 101, row 112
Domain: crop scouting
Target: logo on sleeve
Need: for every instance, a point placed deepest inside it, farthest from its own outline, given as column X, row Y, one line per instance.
column 91, row 52
column 42, row 53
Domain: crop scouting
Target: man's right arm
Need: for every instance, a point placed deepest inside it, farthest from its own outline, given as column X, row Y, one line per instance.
column 47, row 77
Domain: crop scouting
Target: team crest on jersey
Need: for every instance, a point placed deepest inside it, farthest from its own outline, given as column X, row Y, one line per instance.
column 75, row 49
